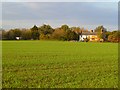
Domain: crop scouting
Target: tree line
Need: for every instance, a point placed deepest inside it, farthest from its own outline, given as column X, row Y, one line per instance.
column 63, row 33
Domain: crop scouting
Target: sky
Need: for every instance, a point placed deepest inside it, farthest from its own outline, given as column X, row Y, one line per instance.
column 24, row 14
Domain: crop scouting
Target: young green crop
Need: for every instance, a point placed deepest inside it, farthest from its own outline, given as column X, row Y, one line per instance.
column 56, row 64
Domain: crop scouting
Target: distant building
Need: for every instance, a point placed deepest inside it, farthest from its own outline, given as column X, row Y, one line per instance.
column 90, row 35
column 18, row 38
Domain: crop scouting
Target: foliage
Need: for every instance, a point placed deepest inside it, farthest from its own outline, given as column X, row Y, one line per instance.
column 65, row 27
column 4, row 35
column 26, row 34
column 45, row 32
column 46, row 29
column 71, row 35
column 101, row 32
column 17, row 32
column 12, row 34
column 35, row 33
column 114, row 36
column 45, row 37
column 59, row 34
column 108, row 33
column 76, row 29
column 100, row 29
column 64, row 33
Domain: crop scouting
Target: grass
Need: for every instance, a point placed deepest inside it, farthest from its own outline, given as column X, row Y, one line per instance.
column 56, row 64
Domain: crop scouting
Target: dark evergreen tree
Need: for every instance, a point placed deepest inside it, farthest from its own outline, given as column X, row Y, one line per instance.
column 35, row 33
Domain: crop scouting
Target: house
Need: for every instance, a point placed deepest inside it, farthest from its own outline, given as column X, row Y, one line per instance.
column 90, row 35
column 18, row 38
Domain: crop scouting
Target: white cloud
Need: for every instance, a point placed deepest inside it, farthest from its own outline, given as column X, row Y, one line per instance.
column 32, row 5
column 8, row 24
column 88, row 15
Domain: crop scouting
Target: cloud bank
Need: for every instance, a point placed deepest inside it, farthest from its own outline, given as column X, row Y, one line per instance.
column 84, row 14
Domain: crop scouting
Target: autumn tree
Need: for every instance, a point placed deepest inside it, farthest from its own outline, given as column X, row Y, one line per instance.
column 59, row 34
column 4, row 37
column 17, row 33
column 10, row 35
column 114, row 36
column 26, row 34
column 101, row 32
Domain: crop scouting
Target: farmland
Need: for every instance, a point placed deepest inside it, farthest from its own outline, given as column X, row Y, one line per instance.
column 59, row 64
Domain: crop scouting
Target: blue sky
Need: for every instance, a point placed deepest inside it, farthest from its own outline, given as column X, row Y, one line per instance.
column 83, row 14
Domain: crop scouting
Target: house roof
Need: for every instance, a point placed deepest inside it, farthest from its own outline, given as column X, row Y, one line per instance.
column 89, row 33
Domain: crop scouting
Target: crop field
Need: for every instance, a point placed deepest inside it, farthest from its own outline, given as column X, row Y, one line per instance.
column 59, row 64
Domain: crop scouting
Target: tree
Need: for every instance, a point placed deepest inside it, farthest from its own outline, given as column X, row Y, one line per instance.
column 114, row 36
column 46, row 29
column 76, row 29
column 17, row 32
column 45, row 37
column 101, row 32
column 4, row 37
column 108, row 33
column 26, row 34
column 59, row 34
column 63, row 35
column 71, row 35
column 65, row 27
column 35, row 33
column 10, row 35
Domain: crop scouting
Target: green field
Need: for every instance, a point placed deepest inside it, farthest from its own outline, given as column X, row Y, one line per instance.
column 57, row 64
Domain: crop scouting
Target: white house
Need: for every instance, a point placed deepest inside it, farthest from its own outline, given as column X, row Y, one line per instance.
column 18, row 38
column 92, row 36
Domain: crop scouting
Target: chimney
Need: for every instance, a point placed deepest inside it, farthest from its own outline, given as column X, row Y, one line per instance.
column 91, row 31
column 102, row 30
